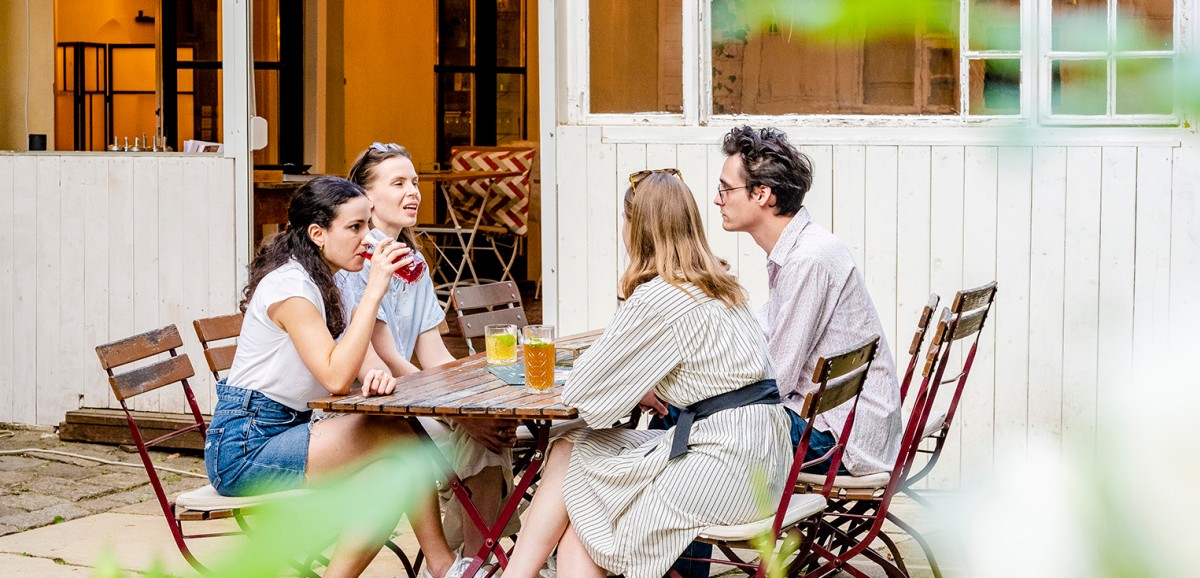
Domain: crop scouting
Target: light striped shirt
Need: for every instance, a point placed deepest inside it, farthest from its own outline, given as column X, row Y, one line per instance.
column 634, row 509
column 819, row 305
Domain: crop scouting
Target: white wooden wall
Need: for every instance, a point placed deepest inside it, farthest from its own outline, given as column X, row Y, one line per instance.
column 94, row 248
column 1095, row 246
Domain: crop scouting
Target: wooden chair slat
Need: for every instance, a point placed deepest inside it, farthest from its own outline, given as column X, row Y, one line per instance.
column 844, row 362
column 923, row 323
column 837, row 393
column 221, row 327
column 970, row 299
column 472, row 325
column 491, row 294
column 220, row 358
column 151, row 377
column 969, row 324
column 139, row 346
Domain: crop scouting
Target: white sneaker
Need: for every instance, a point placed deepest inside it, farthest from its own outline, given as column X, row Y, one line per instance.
column 550, row 570
column 457, row 569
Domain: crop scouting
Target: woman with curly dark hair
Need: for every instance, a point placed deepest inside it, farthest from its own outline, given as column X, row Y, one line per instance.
column 297, row 345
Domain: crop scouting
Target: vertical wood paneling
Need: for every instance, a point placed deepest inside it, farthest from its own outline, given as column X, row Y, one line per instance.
column 1185, row 253
column 1010, row 312
column 171, row 258
column 912, row 246
column 49, row 299
column 1047, row 286
column 76, row 182
column 25, row 321
column 194, row 259
column 693, row 163
column 146, row 254
column 819, row 199
column 1152, row 275
column 96, row 287
column 849, row 198
column 9, row 333
column 979, row 266
column 945, row 272
column 122, row 259
column 223, row 287
column 603, row 194
column 572, row 231
column 1118, row 205
column 879, row 266
column 630, row 159
column 1081, row 297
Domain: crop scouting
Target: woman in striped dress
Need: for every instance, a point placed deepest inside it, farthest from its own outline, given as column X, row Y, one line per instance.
column 627, row 501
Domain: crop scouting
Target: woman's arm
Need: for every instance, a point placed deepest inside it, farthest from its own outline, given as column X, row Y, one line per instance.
column 431, row 350
column 336, row 364
column 384, row 345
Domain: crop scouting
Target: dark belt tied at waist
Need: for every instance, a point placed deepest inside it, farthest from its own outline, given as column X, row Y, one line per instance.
column 761, row 392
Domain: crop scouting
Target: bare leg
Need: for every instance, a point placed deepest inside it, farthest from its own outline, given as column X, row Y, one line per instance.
column 547, row 518
column 427, row 525
column 486, row 489
column 574, row 560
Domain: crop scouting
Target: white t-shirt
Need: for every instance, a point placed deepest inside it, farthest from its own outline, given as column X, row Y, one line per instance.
column 266, row 359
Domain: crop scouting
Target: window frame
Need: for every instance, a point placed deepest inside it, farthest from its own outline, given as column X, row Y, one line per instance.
column 1035, row 59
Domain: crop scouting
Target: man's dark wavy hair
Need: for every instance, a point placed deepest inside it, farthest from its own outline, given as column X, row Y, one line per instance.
column 769, row 159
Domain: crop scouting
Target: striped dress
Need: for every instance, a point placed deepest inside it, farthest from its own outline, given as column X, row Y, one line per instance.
column 634, row 509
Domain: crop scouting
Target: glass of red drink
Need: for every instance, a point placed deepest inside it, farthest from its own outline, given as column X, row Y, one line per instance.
column 409, row 273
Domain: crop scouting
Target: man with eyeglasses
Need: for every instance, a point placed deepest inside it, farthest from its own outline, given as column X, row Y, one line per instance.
column 818, row 302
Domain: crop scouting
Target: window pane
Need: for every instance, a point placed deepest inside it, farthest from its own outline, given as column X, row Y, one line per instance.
column 510, row 26
column 995, row 86
column 1078, row 86
column 199, row 106
column 199, row 28
column 1145, row 86
column 455, row 36
column 995, row 25
column 266, row 30
column 1144, row 24
column 510, row 107
column 636, row 53
column 900, row 66
column 1080, row 25
column 266, row 105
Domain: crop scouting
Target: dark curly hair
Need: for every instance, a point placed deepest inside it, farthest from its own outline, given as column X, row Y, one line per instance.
column 317, row 202
column 769, row 159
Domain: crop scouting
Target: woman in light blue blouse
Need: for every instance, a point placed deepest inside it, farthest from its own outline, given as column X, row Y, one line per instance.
column 407, row 325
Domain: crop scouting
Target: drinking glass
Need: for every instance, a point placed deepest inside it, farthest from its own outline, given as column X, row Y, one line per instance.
column 501, row 342
column 409, row 273
column 539, row 357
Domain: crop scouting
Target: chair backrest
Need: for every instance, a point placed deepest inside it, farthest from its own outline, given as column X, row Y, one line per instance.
column 147, row 378
column 508, row 204
column 482, row 305
column 914, row 348
column 209, row 329
column 839, row 379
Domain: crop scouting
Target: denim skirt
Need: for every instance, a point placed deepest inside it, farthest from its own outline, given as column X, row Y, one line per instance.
column 255, row 444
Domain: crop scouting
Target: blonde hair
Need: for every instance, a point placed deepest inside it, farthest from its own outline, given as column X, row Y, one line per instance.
column 666, row 239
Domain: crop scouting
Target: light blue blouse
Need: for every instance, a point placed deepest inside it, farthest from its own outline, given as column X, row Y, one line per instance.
column 408, row 310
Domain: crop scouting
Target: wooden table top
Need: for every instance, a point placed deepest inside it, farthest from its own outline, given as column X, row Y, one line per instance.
column 447, row 176
column 462, row 388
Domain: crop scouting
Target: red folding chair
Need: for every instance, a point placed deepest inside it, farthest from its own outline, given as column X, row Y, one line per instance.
column 209, row 329
column 859, row 505
column 203, row 504
column 790, row 531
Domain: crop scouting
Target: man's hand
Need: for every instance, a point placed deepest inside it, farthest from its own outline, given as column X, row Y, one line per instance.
column 494, row 434
column 651, row 403
column 377, row 382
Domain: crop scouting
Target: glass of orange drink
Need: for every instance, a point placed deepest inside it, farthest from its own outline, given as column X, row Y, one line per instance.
column 539, row 357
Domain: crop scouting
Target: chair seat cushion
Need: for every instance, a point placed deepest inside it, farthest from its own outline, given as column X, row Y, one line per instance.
column 557, row 428
column 934, row 424
column 207, row 499
column 868, row 482
column 800, row 506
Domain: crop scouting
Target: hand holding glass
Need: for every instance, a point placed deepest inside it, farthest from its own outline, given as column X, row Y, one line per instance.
column 539, row 357
column 409, row 273
column 501, row 343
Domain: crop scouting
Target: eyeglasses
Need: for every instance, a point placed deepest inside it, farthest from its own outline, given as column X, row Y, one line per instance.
column 721, row 192
column 635, row 178
column 386, row 148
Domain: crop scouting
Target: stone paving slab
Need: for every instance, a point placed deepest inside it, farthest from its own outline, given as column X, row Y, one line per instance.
column 18, row 565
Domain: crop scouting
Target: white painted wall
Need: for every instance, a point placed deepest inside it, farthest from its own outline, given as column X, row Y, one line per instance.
column 97, row 247
column 1092, row 235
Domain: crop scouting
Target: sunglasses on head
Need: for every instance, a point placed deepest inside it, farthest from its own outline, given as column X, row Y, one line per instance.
column 635, row 178
column 385, row 148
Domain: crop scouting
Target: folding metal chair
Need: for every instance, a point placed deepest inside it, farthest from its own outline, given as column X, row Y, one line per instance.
column 210, row 329
column 791, row 531
column 203, row 504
